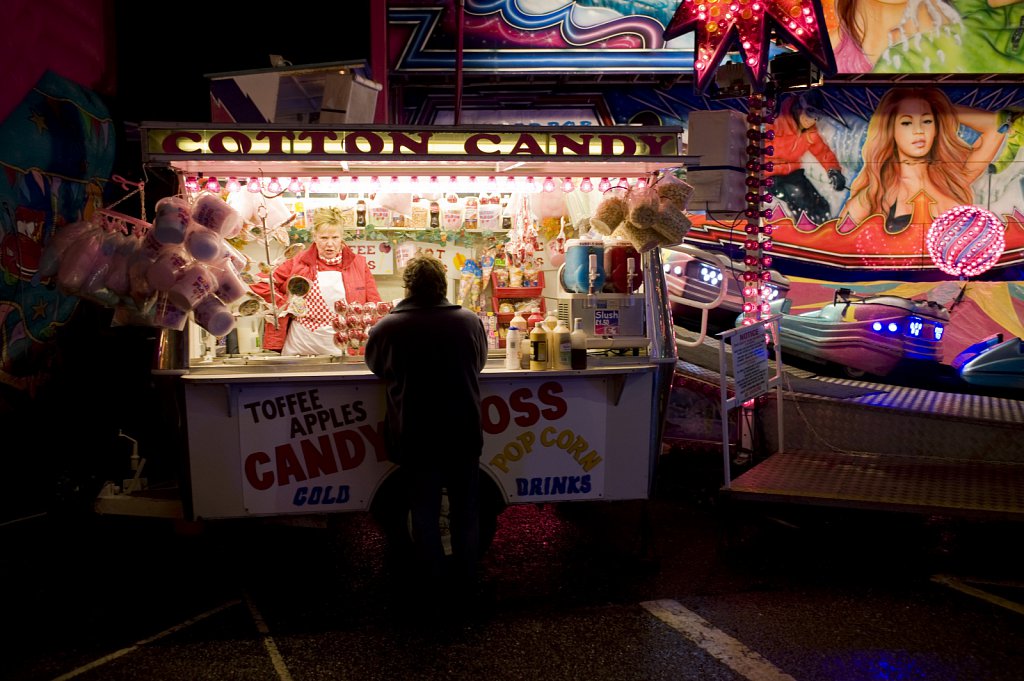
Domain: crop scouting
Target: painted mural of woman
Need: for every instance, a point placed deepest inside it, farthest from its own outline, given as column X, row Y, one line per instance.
column 863, row 30
column 916, row 164
column 927, row 36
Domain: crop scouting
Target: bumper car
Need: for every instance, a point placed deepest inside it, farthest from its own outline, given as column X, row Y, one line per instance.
column 695, row 279
column 993, row 363
column 866, row 335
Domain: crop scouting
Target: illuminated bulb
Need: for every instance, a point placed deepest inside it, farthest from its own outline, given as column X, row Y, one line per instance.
column 274, row 186
column 314, row 185
column 641, row 183
column 492, row 183
column 567, row 185
column 375, row 183
column 604, row 185
column 233, row 185
column 549, row 185
column 295, row 186
column 212, row 185
column 433, row 181
column 530, row 184
column 191, row 184
column 623, row 183
column 452, row 180
column 253, row 185
column 586, row 185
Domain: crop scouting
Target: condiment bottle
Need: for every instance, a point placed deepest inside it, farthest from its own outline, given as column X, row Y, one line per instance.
column 535, row 317
column 525, row 350
column 360, row 213
column 512, row 359
column 539, row 348
column 578, row 341
column 519, row 322
column 550, row 322
column 561, row 351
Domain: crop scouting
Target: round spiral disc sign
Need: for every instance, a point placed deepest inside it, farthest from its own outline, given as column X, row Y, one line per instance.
column 966, row 241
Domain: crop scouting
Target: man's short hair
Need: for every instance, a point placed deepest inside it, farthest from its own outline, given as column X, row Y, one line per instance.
column 424, row 277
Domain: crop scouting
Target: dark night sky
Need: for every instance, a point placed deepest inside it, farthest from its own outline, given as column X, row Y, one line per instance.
column 162, row 59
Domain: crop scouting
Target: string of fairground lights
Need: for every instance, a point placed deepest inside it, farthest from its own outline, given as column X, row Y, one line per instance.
column 432, row 183
column 757, row 242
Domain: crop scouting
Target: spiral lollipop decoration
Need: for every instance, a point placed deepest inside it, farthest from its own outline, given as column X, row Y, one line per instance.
column 966, row 241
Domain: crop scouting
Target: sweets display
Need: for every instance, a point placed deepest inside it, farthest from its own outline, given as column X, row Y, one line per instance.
column 352, row 324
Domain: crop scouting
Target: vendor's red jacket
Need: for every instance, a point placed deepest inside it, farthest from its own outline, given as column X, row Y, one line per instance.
column 355, row 273
column 791, row 144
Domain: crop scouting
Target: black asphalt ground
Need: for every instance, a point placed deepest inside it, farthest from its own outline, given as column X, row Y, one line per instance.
column 681, row 587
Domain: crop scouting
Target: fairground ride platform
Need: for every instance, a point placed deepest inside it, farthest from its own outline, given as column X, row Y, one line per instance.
column 875, row 446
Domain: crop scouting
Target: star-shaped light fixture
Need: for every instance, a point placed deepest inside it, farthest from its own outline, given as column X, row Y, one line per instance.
column 721, row 23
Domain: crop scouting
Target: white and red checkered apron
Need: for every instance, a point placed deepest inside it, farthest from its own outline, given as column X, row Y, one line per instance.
column 313, row 334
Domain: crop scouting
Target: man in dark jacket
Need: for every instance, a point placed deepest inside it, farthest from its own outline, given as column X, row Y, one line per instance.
column 430, row 352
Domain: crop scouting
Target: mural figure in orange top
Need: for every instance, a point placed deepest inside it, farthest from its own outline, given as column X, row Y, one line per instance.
column 796, row 134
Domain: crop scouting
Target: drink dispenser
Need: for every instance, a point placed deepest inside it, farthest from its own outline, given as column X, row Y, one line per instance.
column 621, row 267
column 583, row 271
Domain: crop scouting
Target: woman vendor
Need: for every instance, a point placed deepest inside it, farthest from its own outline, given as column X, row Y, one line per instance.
column 334, row 272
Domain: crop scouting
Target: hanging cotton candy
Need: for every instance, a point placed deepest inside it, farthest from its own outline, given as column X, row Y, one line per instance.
column 966, row 241
column 59, row 244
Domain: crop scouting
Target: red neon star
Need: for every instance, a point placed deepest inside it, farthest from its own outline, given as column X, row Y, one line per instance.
column 720, row 23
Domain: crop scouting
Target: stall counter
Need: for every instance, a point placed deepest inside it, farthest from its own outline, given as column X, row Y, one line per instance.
column 300, row 439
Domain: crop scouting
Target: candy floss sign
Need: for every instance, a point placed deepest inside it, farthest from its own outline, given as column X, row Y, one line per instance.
column 311, row 450
column 541, row 440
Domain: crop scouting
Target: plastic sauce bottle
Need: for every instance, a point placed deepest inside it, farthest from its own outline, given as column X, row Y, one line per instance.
column 525, row 350
column 561, row 351
column 578, row 342
column 360, row 213
column 539, row 348
column 519, row 322
column 550, row 322
column 512, row 359
column 535, row 317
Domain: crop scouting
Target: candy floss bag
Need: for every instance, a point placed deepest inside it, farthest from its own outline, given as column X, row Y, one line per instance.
column 470, row 286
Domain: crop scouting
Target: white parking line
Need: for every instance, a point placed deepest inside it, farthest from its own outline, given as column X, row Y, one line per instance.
column 718, row 644
column 954, row 583
column 268, row 642
column 138, row 644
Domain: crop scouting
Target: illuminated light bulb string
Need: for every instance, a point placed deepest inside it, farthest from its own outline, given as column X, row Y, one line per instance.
column 757, row 243
column 409, row 184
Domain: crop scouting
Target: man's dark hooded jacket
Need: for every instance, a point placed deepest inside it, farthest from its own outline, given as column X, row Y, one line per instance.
column 430, row 355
